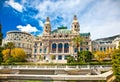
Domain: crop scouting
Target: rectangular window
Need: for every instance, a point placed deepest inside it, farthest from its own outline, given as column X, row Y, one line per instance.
column 40, row 44
column 44, row 57
column 87, row 49
column 44, row 50
column 35, row 50
column 104, row 49
column 75, row 50
column 59, row 57
column 100, row 48
column 40, row 50
column 35, row 44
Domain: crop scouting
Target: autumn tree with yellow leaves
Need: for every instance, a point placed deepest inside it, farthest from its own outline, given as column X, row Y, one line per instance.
column 99, row 55
column 16, row 55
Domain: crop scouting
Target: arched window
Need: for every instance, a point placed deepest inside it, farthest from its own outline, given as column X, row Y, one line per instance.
column 53, row 48
column 60, row 48
column 66, row 48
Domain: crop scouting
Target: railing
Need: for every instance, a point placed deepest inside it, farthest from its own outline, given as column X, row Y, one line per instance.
column 102, row 67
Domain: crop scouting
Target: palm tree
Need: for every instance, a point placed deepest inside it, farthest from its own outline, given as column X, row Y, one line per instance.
column 77, row 41
column 9, row 45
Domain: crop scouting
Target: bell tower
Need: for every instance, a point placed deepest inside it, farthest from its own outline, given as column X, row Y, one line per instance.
column 75, row 25
column 47, row 27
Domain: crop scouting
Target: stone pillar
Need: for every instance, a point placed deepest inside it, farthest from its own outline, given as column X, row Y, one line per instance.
column 63, row 48
column 56, row 47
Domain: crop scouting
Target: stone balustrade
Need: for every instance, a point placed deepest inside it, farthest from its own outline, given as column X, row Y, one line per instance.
column 65, row 67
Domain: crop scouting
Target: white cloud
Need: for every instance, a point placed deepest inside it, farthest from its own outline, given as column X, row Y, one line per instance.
column 64, row 8
column 41, row 23
column 15, row 5
column 28, row 28
column 102, row 20
column 99, row 17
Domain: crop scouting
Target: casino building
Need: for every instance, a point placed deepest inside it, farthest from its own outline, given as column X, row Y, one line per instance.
column 57, row 43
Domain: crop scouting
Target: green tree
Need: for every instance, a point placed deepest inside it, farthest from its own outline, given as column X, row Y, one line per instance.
column 1, row 55
column 71, row 59
column 84, row 56
column 1, row 35
column 116, row 63
column 77, row 42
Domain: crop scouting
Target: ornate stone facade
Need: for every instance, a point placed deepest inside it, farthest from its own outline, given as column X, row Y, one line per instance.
column 21, row 40
column 57, row 43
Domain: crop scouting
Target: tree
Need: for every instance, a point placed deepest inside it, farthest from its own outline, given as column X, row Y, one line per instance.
column 71, row 59
column 1, row 35
column 9, row 45
column 84, row 56
column 109, row 53
column 17, row 55
column 5, row 54
column 77, row 41
column 99, row 55
column 1, row 55
column 116, row 63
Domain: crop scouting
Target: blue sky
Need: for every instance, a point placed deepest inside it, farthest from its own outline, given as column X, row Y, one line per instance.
column 99, row 17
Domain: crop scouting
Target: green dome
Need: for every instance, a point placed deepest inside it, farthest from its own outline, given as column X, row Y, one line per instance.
column 62, row 30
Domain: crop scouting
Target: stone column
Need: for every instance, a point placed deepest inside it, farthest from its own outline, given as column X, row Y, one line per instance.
column 63, row 48
column 56, row 47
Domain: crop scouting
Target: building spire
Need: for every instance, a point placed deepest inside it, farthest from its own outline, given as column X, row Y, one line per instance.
column 47, row 19
column 75, row 17
column 75, row 25
column 47, row 26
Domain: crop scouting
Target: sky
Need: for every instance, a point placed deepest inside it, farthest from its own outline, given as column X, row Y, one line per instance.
column 99, row 17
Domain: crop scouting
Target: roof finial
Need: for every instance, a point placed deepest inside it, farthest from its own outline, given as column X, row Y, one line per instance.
column 47, row 19
column 75, row 17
